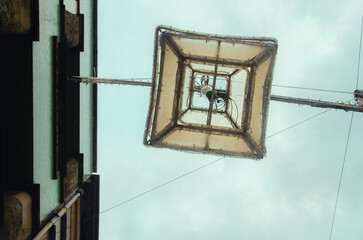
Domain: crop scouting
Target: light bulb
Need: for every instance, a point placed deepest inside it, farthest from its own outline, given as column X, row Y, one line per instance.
column 207, row 91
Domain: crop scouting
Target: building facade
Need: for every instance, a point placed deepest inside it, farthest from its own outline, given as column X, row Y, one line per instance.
column 48, row 124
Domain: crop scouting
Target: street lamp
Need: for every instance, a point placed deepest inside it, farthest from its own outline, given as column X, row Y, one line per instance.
column 211, row 93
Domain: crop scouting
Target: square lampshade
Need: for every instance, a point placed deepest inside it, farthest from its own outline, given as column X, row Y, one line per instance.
column 210, row 93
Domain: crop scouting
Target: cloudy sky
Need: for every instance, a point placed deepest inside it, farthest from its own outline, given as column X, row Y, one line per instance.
column 291, row 193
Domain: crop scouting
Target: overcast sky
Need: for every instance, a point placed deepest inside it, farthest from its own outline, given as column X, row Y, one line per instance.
column 290, row 194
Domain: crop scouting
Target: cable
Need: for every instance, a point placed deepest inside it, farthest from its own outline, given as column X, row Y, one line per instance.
column 232, row 107
column 236, row 109
column 313, row 89
column 188, row 173
column 360, row 47
column 232, row 110
column 294, row 125
column 347, row 143
column 150, row 190
column 307, row 119
column 341, row 175
column 220, row 104
column 162, row 185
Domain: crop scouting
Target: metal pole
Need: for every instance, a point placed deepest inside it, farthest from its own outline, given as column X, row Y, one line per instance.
column 130, row 81
column 318, row 103
column 58, row 216
column 358, row 94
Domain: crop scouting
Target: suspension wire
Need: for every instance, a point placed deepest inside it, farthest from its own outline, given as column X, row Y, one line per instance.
column 199, row 168
column 150, row 190
column 298, row 123
column 190, row 172
column 186, row 174
column 341, row 175
column 307, row 119
column 163, row 184
column 313, row 89
column 360, row 48
column 349, row 131
column 204, row 166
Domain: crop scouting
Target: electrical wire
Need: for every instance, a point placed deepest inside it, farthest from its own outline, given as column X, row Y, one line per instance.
column 313, row 89
column 150, row 190
column 359, row 51
column 186, row 174
column 347, row 143
column 220, row 104
column 296, row 124
column 307, row 119
column 341, row 175
column 232, row 108
column 190, row 172
column 199, row 85
column 163, row 184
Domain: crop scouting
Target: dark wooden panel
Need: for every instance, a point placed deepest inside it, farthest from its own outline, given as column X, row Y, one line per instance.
column 16, row 74
column 90, row 207
column 95, row 86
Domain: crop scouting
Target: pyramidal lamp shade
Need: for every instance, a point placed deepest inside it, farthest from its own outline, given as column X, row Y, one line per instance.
column 210, row 93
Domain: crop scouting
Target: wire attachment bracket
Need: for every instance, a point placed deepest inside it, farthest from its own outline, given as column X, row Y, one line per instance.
column 358, row 96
